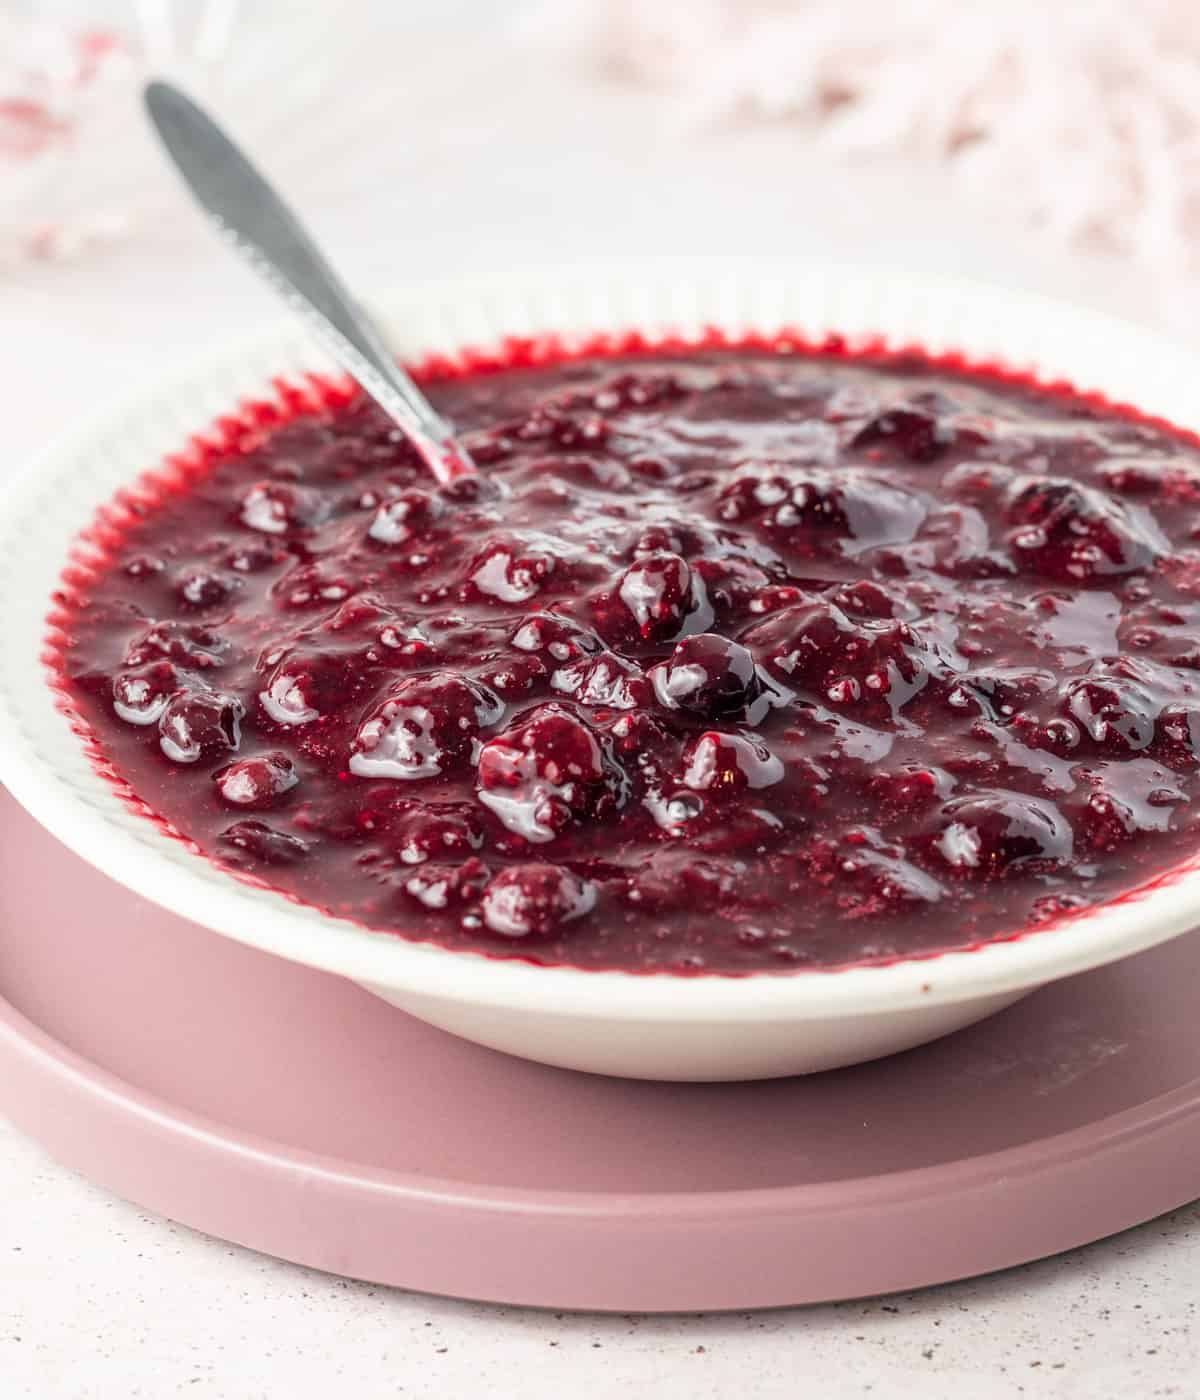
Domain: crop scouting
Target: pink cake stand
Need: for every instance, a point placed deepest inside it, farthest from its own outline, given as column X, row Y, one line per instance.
column 287, row 1110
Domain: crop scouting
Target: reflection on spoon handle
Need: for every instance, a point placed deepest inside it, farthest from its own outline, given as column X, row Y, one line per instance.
column 257, row 223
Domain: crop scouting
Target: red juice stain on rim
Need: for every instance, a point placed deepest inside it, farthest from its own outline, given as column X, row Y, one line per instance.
column 693, row 726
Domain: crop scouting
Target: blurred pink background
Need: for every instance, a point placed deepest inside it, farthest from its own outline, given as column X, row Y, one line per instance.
column 1054, row 147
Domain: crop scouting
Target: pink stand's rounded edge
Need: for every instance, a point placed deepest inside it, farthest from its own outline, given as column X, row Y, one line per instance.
column 762, row 1253
column 633, row 1249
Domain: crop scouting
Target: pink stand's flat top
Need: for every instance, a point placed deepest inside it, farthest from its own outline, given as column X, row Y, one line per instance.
column 288, row 1110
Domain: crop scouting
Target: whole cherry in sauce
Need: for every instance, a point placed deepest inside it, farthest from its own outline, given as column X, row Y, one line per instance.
column 710, row 676
column 728, row 660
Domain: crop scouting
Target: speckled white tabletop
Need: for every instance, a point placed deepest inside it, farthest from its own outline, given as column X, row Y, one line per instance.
column 99, row 1301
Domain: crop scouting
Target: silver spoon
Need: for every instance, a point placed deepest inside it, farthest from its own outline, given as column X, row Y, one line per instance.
column 252, row 217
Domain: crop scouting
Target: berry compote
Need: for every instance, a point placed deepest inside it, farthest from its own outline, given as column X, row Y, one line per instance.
column 731, row 660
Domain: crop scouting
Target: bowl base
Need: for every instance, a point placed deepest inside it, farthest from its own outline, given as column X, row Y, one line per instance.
column 706, row 1053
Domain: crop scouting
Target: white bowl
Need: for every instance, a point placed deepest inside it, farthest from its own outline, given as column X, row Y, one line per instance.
column 641, row 1025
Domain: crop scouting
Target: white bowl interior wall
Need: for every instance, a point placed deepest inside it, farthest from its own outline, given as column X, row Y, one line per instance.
column 654, row 1026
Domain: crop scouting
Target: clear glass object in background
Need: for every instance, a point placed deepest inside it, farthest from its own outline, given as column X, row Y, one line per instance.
column 77, row 165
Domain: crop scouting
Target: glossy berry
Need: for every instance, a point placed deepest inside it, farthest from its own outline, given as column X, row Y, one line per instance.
column 253, row 556
column 843, row 660
column 1116, row 713
column 190, row 645
column 513, row 677
column 867, row 599
column 999, row 695
column 606, row 681
column 995, row 833
column 911, row 432
column 280, row 508
column 533, row 900
column 658, row 596
column 710, row 676
column 202, row 588
column 537, row 776
column 1068, row 530
column 510, row 569
column 140, row 696
column 560, row 639
column 313, row 586
column 441, row 885
column 257, row 782
column 422, row 727
column 728, row 764
column 259, row 844
column 398, row 520
column 812, row 510
column 200, row 725
column 365, row 614
column 308, row 684
column 1177, row 737
column 437, row 831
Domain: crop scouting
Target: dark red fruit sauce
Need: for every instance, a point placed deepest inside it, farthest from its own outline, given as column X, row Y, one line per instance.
column 730, row 660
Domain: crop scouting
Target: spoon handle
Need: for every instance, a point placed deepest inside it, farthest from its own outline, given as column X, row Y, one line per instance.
column 259, row 226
